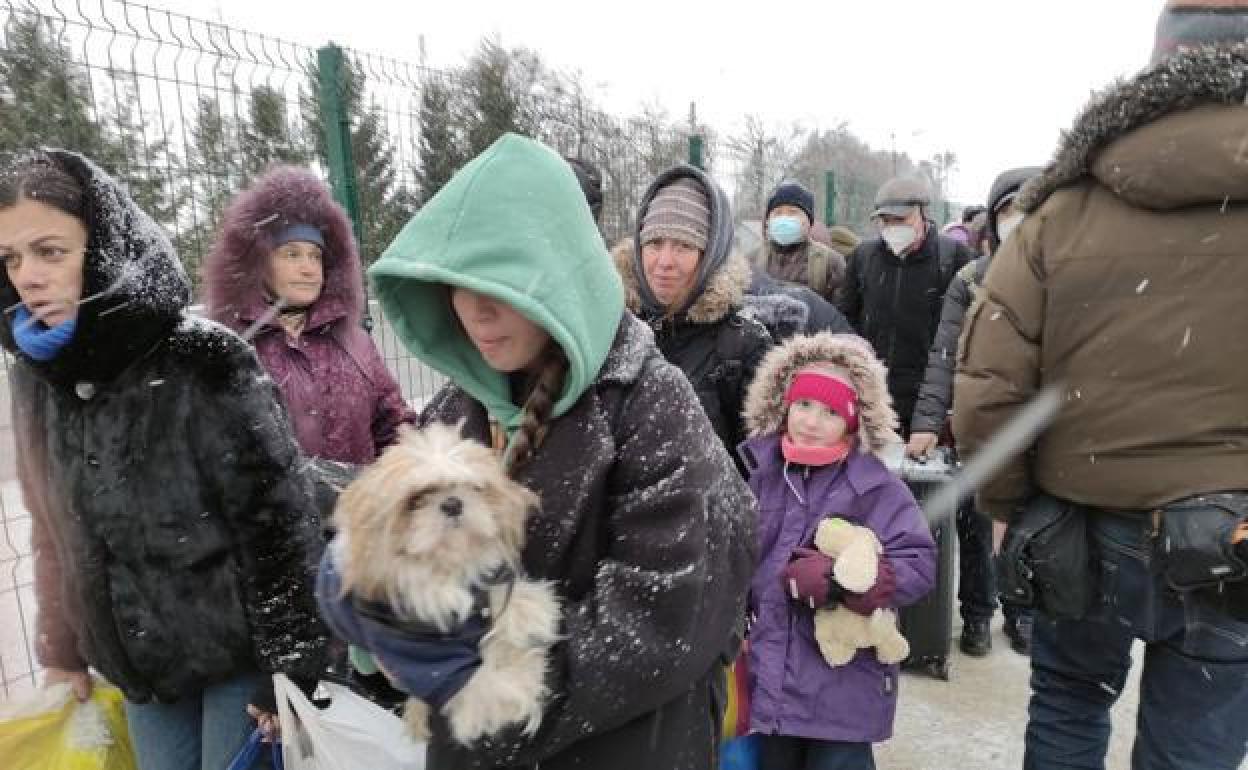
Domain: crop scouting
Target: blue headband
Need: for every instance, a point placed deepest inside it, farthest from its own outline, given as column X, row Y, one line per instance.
column 305, row 233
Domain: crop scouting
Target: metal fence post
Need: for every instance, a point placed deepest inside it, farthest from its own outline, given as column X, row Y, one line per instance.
column 695, row 150
column 337, row 126
column 829, row 198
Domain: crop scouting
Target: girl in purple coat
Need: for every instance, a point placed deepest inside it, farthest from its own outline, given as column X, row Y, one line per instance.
column 819, row 413
column 285, row 272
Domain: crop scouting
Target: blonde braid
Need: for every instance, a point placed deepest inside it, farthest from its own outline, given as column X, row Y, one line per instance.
column 537, row 409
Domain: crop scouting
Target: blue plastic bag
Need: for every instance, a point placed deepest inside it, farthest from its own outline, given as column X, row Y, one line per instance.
column 740, row 754
column 250, row 753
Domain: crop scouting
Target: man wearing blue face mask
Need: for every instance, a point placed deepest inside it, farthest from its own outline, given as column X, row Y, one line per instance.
column 788, row 253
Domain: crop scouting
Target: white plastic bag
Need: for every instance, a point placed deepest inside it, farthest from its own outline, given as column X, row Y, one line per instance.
column 352, row 732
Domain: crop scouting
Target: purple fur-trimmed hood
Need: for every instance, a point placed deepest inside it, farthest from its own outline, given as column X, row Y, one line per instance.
column 233, row 272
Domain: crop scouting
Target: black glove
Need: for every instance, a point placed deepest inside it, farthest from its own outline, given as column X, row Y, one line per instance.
column 264, row 699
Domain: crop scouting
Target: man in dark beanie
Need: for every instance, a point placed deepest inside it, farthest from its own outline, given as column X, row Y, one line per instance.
column 788, row 253
column 1123, row 287
column 1193, row 23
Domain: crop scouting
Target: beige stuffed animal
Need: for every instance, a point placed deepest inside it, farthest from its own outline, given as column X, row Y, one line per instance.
column 840, row 632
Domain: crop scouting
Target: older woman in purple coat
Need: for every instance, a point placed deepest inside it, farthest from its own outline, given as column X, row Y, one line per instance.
column 286, row 273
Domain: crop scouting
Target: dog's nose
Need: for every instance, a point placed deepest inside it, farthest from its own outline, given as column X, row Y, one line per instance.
column 453, row 507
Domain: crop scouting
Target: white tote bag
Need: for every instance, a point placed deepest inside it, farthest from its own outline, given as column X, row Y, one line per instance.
column 352, row 732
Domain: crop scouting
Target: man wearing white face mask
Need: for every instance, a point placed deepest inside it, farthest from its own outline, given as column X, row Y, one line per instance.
column 895, row 283
column 977, row 586
column 788, row 253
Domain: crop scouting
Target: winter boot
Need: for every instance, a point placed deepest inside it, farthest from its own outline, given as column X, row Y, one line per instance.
column 1018, row 631
column 976, row 639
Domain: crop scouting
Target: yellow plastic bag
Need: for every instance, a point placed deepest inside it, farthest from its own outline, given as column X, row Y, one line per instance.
column 51, row 730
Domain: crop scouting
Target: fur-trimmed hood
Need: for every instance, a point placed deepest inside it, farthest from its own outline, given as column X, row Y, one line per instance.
column 234, row 270
column 724, row 292
column 1214, row 79
column 719, row 243
column 764, row 410
column 134, row 287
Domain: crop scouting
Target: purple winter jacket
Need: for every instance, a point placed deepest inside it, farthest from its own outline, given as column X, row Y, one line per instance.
column 793, row 691
column 343, row 402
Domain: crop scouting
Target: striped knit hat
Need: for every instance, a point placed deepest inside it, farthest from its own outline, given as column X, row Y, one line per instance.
column 680, row 211
column 1191, row 23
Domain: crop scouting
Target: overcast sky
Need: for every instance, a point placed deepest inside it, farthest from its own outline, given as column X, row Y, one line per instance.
column 993, row 81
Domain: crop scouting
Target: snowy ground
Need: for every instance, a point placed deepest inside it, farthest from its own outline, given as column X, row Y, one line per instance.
column 976, row 720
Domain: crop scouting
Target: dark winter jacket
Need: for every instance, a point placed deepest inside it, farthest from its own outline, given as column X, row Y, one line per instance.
column 793, row 265
column 936, row 396
column 790, row 310
column 793, row 690
column 931, row 410
column 710, row 340
column 1125, row 286
column 172, row 528
column 715, row 342
column 645, row 528
column 895, row 305
column 343, row 401
column 648, row 531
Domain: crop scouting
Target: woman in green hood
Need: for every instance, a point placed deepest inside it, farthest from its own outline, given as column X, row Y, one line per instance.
column 502, row 283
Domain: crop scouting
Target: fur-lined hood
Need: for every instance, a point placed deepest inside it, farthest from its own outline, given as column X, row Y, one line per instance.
column 133, row 285
column 1199, row 77
column 233, row 272
column 764, row 411
column 724, row 293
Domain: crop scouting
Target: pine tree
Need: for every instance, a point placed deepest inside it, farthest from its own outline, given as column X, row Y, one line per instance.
column 441, row 152
column 45, row 96
column 267, row 137
column 214, row 175
column 495, row 99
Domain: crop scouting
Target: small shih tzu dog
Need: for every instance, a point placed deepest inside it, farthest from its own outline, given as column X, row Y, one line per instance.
column 429, row 545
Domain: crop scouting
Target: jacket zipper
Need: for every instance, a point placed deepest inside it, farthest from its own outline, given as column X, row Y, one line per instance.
column 892, row 336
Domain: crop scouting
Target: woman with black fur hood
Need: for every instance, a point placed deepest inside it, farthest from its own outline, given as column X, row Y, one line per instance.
column 171, row 530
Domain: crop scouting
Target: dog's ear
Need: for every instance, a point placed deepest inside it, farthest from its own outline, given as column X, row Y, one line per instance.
column 519, row 503
column 460, row 427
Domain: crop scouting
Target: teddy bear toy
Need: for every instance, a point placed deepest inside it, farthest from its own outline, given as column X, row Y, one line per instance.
column 841, row 632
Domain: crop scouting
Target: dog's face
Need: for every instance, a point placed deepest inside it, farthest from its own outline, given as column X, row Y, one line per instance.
column 436, row 504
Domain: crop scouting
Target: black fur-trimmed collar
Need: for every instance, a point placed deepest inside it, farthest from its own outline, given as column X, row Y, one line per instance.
column 1188, row 79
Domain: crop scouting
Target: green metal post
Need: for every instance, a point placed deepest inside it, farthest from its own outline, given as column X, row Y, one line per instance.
column 829, row 198
column 337, row 126
column 695, row 150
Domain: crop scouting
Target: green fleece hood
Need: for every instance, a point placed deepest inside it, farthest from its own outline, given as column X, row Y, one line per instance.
column 513, row 225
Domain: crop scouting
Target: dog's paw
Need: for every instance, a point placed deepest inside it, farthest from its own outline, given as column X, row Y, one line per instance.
column 530, row 618
column 416, row 717
column 494, row 699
